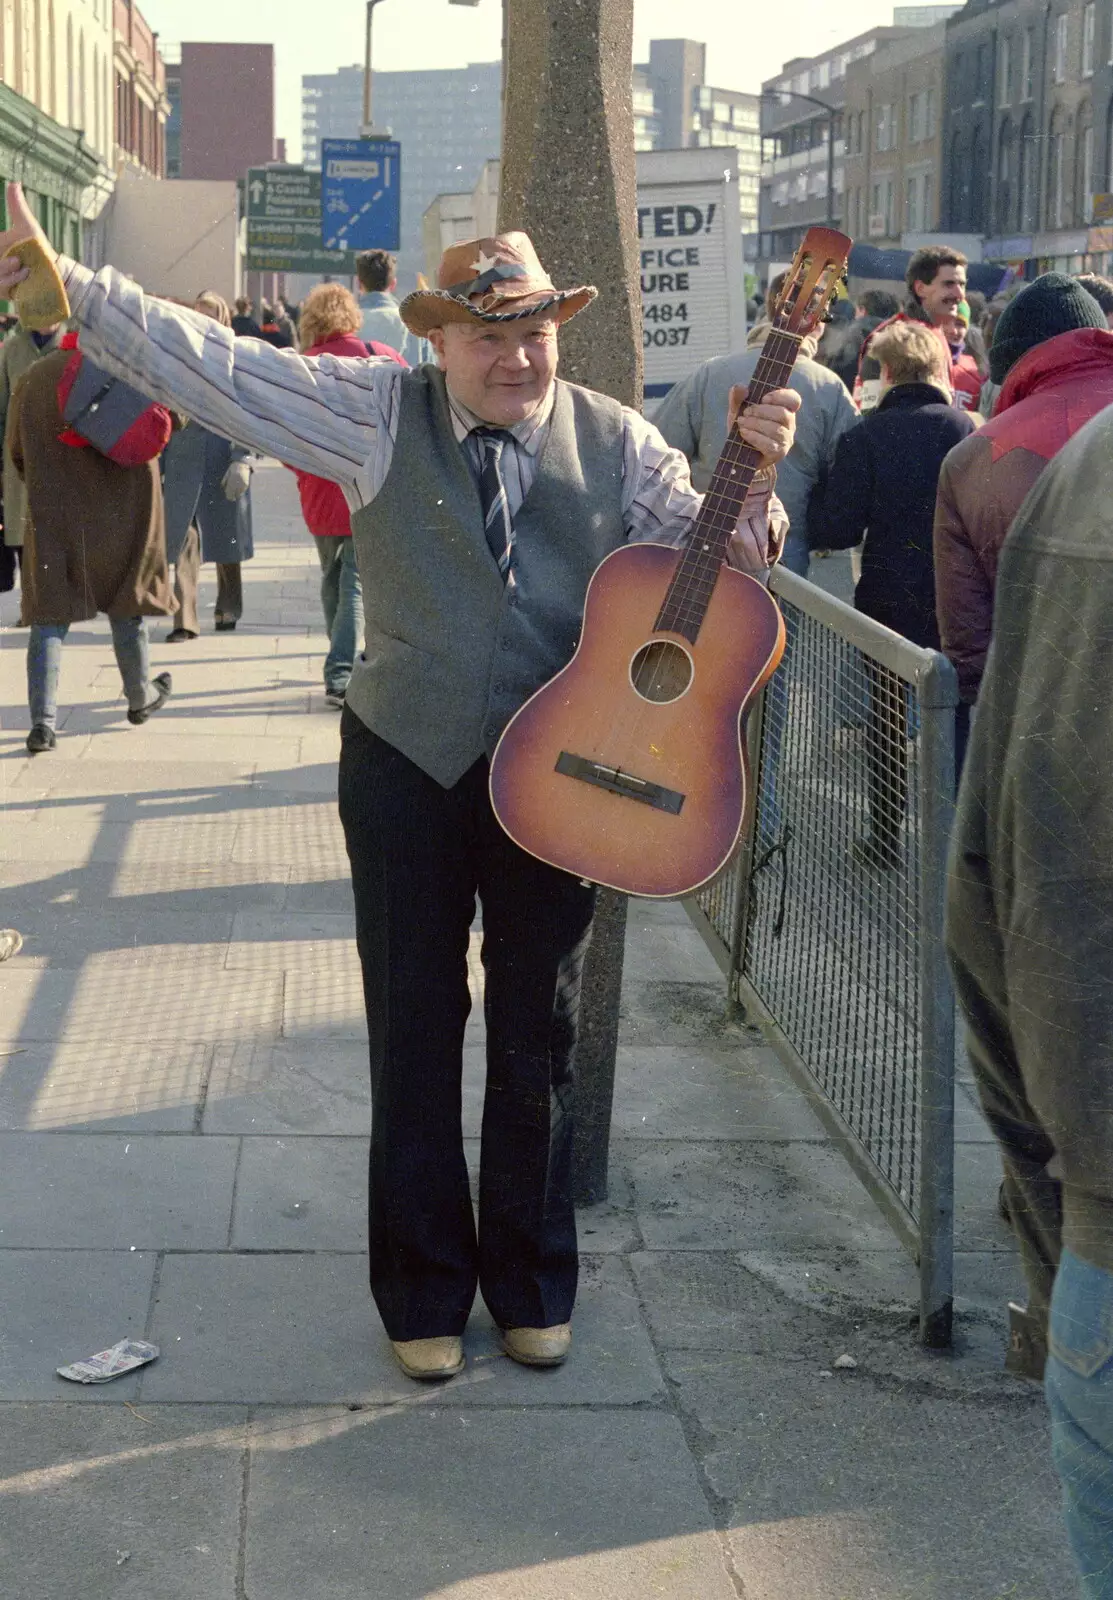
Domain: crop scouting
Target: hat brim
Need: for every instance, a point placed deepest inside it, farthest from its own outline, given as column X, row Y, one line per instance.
column 427, row 309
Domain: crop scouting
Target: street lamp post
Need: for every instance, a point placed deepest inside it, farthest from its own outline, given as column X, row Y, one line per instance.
column 368, row 126
column 782, row 97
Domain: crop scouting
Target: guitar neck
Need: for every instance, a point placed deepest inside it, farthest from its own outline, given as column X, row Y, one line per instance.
column 690, row 591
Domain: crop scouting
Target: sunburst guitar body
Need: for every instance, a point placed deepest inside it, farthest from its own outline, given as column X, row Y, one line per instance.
column 629, row 769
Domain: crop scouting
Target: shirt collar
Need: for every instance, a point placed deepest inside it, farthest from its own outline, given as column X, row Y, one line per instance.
column 529, row 434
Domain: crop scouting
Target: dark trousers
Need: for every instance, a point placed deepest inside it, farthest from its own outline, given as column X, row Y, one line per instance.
column 420, row 854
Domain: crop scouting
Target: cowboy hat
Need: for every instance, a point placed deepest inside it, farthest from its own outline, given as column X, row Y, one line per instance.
column 491, row 280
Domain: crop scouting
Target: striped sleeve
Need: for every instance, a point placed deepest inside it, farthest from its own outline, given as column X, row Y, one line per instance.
column 335, row 418
column 660, row 504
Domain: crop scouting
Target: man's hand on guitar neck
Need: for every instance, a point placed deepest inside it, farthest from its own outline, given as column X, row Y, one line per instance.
column 769, row 426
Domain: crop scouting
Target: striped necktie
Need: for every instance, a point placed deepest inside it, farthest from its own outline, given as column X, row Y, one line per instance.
column 492, row 496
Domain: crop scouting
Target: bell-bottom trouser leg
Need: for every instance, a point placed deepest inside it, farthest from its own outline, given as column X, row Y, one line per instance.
column 420, row 854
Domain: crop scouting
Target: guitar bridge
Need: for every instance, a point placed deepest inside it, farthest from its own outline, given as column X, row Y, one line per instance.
column 619, row 782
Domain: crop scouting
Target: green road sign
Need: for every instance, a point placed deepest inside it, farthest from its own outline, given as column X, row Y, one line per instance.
column 284, row 223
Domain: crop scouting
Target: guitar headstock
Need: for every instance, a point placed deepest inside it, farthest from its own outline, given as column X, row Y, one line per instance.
column 813, row 280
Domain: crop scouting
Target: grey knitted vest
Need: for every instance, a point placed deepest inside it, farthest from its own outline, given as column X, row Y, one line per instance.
column 451, row 651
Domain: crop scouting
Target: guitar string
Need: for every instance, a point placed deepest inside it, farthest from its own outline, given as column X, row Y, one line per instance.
column 698, row 569
column 685, row 603
column 714, row 517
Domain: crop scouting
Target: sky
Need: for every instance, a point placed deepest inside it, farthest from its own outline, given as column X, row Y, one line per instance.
column 745, row 43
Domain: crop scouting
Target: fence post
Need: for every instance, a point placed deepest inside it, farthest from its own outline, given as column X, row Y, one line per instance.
column 938, row 696
column 745, row 866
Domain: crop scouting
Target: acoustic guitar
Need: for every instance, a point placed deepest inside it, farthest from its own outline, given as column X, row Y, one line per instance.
column 629, row 768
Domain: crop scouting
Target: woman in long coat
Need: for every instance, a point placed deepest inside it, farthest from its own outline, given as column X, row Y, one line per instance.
column 93, row 541
column 207, row 490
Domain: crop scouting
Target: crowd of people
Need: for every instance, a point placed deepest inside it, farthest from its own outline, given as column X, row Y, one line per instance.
column 961, row 447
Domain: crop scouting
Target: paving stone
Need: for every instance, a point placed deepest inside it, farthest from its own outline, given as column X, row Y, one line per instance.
column 666, row 1091
column 302, row 1329
column 152, row 1086
column 838, row 1487
column 304, row 1086
column 541, row 1511
column 317, row 941
column 101, row 1504
column 301, row 1193
column 668, row 952
column 60, row 1306
column 732, row 1196
column 113, row 1191
column 117, row 932
column 659, row 1013
column 121, row 1003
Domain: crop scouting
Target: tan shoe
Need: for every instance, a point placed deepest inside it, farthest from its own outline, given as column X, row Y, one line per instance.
column 538, row 1347
column 426, row 1359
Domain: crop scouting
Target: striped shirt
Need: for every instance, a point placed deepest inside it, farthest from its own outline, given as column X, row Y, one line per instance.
column 338, row 418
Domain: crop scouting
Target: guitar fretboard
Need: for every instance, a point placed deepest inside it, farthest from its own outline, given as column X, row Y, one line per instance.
column 689, row 592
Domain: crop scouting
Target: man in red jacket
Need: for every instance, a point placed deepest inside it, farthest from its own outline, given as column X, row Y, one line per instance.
column 936, row 279
column 1053, row 355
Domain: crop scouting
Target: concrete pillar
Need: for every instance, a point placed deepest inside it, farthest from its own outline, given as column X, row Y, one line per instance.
column 568, row 179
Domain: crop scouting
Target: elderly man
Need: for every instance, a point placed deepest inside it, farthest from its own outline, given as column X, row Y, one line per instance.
column 483, row 492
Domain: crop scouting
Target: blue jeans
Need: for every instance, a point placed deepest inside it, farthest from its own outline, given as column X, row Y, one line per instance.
column 44, row 664
column 1079, row 1386
column 342, row 603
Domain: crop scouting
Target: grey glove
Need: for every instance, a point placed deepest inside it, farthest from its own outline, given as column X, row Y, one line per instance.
column 236, row 480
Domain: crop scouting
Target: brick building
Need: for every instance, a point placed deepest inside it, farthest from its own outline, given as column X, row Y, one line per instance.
column 1029, row 128
column 142, row 106
column 224, row 110
column 892, row 124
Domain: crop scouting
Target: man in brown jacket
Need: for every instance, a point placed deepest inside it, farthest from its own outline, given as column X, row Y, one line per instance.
column 94, row 541
column 1053, row 355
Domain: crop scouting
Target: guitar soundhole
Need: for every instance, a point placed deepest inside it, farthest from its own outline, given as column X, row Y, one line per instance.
column 661, row 671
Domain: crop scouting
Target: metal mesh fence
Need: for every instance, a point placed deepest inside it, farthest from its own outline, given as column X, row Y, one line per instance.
column 833, row 912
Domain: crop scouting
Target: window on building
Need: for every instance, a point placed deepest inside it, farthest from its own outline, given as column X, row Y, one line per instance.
column 1026, row 69
column 929, row 113
column 1056, row 199
column 1060, row 58
column 780, row 192
column 1004, row 72
column 915, row 118
column 1086, row 176
column 824, row 74
column 911, row 205
column 720, row 111
column 1026, row 178
column 885, row 130
column 927, row 201
column 1089, row 38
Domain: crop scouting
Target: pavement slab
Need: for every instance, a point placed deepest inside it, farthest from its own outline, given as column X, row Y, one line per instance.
column 298, row 1086
column 733, row 1195
column 845, row 1488
column 542, row 1512
column 62, row 1305
column 117, row 1191
column 153, row 1086
column 107, row 1504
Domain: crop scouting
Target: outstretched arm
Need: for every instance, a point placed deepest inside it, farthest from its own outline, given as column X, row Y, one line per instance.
column 326, row 416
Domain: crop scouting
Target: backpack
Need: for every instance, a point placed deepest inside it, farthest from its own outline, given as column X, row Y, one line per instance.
column 108, row 414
